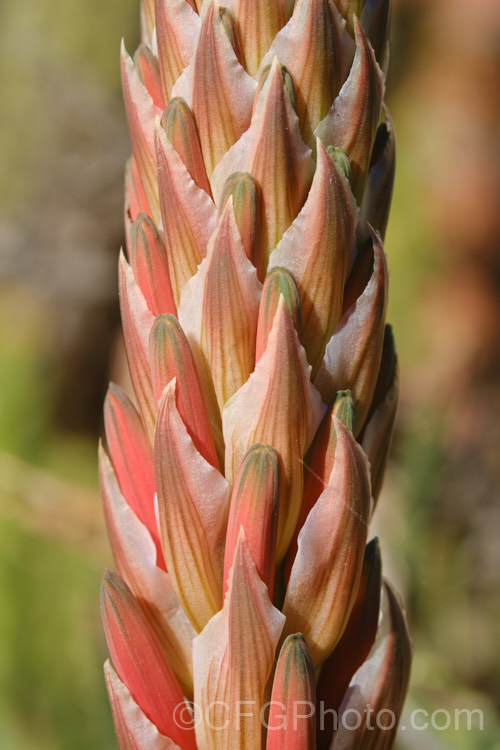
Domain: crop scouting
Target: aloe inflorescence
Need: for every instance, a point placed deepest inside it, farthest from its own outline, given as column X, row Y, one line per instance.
column 248, row 608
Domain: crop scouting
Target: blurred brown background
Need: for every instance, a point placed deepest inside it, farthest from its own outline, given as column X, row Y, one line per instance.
column 63, row 144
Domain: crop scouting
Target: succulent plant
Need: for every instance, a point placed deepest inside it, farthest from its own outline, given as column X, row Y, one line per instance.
column 247, row 609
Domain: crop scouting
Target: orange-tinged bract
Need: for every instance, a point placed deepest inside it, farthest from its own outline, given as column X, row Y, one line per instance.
column 323, row 230
column 380, row 683
column 325, row 573
column 139, row 660
column 292, row 720
column 355, row 644
column 133, row 728
column 254, row 508
column 242, row 471
column 180, row 127
column 148, row 259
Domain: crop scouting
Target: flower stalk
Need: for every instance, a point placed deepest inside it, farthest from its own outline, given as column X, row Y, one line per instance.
column 244, row 468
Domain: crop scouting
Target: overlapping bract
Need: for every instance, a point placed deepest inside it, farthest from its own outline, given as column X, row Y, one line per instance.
column 240, row 484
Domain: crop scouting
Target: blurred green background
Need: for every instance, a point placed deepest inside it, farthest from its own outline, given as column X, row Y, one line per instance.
column 63, row 144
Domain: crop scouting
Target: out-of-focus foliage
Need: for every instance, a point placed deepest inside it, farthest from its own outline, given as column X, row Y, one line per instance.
column 444, row 253
column 63, row 145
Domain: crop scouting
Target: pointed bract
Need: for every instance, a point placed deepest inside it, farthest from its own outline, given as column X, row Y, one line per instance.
column 321, row 456
column 135, row 199
column 292, row 721
column 356, row 642
column 376, row 21
column 254, row 508
column 316, row 250
column 193, row 503
column 281, row 376
column 180, row 129
column 319, row 462
column 147, row 21
column 222, row 112
column 134, row 731
column 224, row 296
column 377, row 433
column 325, row 574
column 196, row 5
column 148, row 70
column 352, row 356
column 188, row 214
column 353, row 117
column 177, row 29
column 132, row 456
column 139, row 661
column 233, row 657
column 171, row 357
column 360, row 272
column 135, row 559
column 311, row 46
column 148, row 259
column 378, row 688
column 141, row 115
column 137, row 321
column 258, row 23
column 378, row 191
column 273, row 151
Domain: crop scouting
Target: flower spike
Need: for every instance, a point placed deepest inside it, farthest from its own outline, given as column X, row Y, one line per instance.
column 244, row 468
